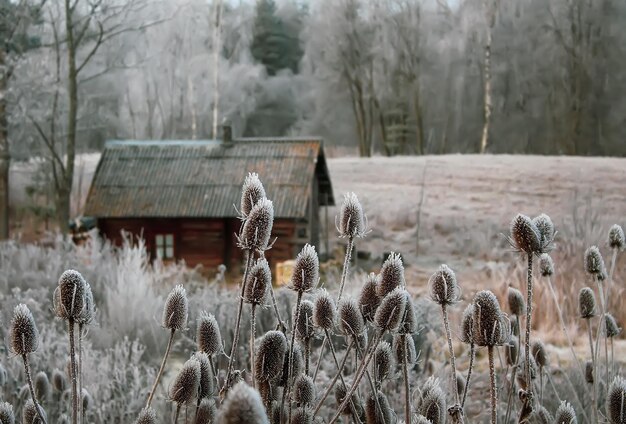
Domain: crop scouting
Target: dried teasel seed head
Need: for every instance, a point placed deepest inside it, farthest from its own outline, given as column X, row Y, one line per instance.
column 270, row 356
column 146, row 416
column 259, row 282
column 42, row 386
column 257, row 229
column 542, row 416
column 361, row 341
column 242, row 405
column 594, row 263
column 340, row 395
column 324, row 311
column 399, row 349
column 467, row 324
column 431, row 402
column 391, row 275
column 377, row 409
column 565, row 414
column 517, row 306
column 443, row 286
column 391, row 310
column 88, row 312
column 87, row 400
column 185, row 385
column 420, row 419
column 297, row 365
column 69, row 296
column 304, row 390
column 491, row 326
column 251, row 192
column 525, row 235
column 206, row 412
column 616, row 237
column 208, row 336
column 616, row 401
column 460, row 383
column 589, row 372
column 408, row 323
column 23, row 333
column 306, row 272
column 302, row 416
column 586, row 303
column 539, row 352
column 29, row 413
column 546, row 265
column 382, row 363
column 207, row 380
column 610, row 326
column 304, row 321
column 176, row 309
column 546, row 230
column 511, row 351
column 368, row 298
column 7, row 416
column 350, row 318
column 351, row 218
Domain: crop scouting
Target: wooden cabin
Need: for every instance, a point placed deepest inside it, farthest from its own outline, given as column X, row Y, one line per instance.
column 180, row 196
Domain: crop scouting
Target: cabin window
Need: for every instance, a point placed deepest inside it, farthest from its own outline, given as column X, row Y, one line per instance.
column 164, row 246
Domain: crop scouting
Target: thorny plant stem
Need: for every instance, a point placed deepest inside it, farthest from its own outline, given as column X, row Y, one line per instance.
column 407, row 388
column 252, row 337
column 160, row 373
column 358, row 355
column 541, row 384
column 595, row 377
column 469, row 372
column 307, row 355
column 494, row 393
column 233, row 349
column 511, row 386
column 29, row 379
column 288, row 385
column 339, row 369
column 319, row 360
column 601, row 330
column 280, row 325
column 446, row 324
column 335, row 378
column 177, row 413
column 73, row 369
column 80, row 370
column 529, row 311
column 610, row 281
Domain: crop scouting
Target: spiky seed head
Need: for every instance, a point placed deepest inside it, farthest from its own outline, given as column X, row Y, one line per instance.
column 460, row 383
column 517, row 306
column 616, row 401
column 589, row 372
column 3, row 375
column 377, row 409
column 7, row 416
column 324, row 310
column 586, row 303
column 350, row 318
column 594, row 263
column 297, row 365
column 398, row 349
column 242, row 405
column 420, row 419
column 525, row 235
column 443, row 286
column 304, row 390
column 185, row 385
column 176, row 309
column 408, row 323
column 259, row 282
column 565, row 414
column 610, row 326
column 88, row 312
column 351, row 217
column 87, row 400
column 467, row 324
column 382, row 363
column 208, row 336
column 546, row 265
column 511, row 351
column 361, row 341
column 306, row 270
column 42, row 386
column 542, row 415
column 616, row 237
column 368, row 298
column 24, row 392
column 546, row 230
column 491, row 326
column 302, row 416
column 431, row 402
column 207, row 381
column 270, row 356
column 29, row 413
column 391, row 275
column 340, row 395
column 206, row 412
column 304, row 321
column 251, row 193
column 69, row 296
column 521, row 376
column 257, row 229
column 146, row 416
column 391, row 310
column 24, row 335
column 539, row 352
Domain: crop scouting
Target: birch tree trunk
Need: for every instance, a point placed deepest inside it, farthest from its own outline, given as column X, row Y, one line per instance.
column 216, row 65
column 490, row 12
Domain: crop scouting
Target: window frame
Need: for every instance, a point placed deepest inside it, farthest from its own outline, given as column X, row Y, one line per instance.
column 165, row 246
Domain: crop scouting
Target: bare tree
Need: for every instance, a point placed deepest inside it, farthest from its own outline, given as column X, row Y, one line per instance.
column 491, row 9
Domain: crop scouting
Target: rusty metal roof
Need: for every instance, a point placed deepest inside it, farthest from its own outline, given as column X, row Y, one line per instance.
column 203, row 179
